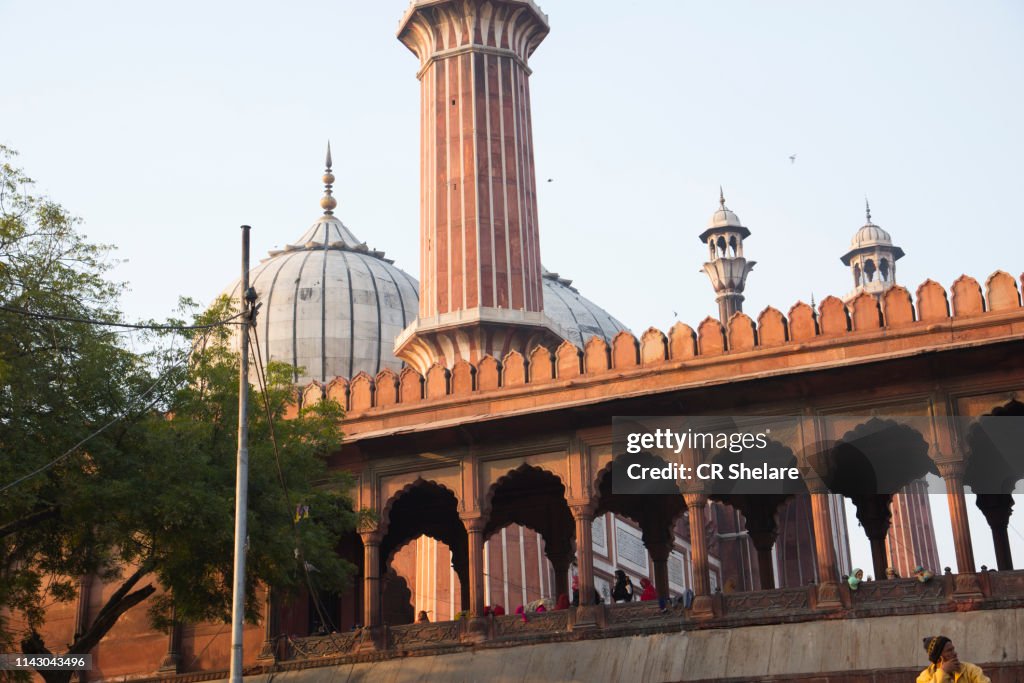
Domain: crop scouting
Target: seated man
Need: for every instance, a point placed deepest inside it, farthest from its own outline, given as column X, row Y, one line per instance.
column 946, row 665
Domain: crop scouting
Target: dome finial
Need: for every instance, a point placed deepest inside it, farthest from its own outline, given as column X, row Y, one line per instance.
column 867, row 208
column 721, row 197
column 328, row 202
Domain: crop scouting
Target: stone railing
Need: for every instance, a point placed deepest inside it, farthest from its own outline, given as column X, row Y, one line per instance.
column 411, row 636
column 944, row 593
column 513, row 626
column 647, row 612
column 899, row 591
column 763, row 603
column 318, row 647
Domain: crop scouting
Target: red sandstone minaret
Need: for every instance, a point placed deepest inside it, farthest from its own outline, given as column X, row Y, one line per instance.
column 481, row 290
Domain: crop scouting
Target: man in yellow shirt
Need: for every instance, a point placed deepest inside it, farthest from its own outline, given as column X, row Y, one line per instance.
column 946, row 666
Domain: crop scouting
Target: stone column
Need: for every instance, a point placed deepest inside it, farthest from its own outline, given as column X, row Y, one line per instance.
column 659, row 552
column 763, row 540
column 584, row 518
column 586, row 613
column 997, row 508
column 875, row 515
column 695, row 503
column 371, row 578
column 824, row 547
column 475, row 535
column 952, row 472
column 561, row 561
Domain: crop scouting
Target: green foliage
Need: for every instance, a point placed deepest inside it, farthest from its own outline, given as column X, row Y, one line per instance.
column 153, row 485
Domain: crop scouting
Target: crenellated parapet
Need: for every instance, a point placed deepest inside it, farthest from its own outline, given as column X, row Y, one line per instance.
column 865, row 326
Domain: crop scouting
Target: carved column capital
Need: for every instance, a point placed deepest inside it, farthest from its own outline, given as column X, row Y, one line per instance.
column 951, row 469
column 371, row 537
column 695, row 500
column 582, row 511
column 474, row 523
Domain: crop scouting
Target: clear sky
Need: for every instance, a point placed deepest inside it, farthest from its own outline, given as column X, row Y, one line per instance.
column 166, row 125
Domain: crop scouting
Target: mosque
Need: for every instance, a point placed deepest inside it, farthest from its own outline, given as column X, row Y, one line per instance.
column 479, row 401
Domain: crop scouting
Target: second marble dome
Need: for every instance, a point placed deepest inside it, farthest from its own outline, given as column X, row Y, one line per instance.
column 332, row 307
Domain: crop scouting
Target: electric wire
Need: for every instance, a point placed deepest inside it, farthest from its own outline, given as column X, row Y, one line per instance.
column 159, row 380
column 107, row 323
column 325, row 620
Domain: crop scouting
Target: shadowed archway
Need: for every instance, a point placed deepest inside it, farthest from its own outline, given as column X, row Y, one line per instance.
column 868, row 465
column 655, row 511
column 535, row 498
column 425, row 508
column 996, row 463
column 759, row 501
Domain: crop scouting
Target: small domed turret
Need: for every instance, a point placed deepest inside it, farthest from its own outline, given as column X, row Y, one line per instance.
column 872, row 258
column 727, row 268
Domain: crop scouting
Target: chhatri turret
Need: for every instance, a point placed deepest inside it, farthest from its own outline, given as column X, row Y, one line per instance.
column 872, row 259
column 727, row 267
column 481, row 287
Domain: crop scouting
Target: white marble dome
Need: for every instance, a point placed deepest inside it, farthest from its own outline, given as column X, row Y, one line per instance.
column 870, row 235
column 578, row 316
column 724, row 218
column 330, row 305
column 333, row 307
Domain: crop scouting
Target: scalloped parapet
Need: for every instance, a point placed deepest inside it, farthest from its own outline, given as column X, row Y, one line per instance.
column 653, row 347
column 488, row 376
column 463, row 378
column 967, row 299
column 515, row 369
column 541, row 367
column 568, row 360
column 682, row 342
column 1001, row 292
column 625, row 351
column 710, row 337
column 596, row 356
column 742, row 332
column 865, row 313
column 932, row 302
column 361, row 390
column 897, row 307
column 712, row 344
column 833, row 318
column 772, row 327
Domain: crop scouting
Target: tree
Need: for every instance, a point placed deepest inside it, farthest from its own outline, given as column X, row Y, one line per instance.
column 147, row 499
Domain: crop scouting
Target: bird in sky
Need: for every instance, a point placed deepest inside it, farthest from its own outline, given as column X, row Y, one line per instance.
column 792, row 158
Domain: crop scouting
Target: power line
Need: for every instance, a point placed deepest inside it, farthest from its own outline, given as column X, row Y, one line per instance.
column 262, row 380
column 107, row 323
column 109, row 424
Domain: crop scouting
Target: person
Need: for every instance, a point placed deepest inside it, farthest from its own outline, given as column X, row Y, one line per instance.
column 946, row 665
column 922, row 574
column 623, row 590
column 647, row 591
column 891, row 573
column 422, row 618
column 498, row 610
column 563, row 601
column 575, row 590
column 855, row 579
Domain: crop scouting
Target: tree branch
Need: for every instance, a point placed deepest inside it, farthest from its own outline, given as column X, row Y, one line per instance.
column 29, row 521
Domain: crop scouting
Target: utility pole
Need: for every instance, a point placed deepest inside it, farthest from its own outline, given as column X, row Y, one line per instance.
column 248, row 298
